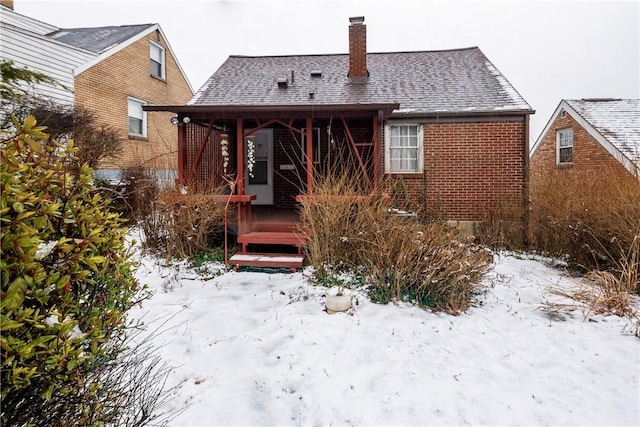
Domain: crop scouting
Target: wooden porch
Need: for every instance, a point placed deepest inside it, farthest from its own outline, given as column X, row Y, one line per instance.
column 218, row 147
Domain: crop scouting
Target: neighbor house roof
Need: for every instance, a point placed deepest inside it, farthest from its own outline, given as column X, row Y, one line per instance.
column 423, row 83
column 64, row 53
column 614, row 123
column 98, row 39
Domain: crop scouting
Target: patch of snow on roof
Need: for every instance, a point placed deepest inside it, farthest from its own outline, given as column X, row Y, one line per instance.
column 507, row 90
column 617, row 120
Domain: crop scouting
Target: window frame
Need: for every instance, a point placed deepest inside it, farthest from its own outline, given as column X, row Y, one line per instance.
column 561, row 136
column 141, row 103
column 419, row 147
column 162, row 62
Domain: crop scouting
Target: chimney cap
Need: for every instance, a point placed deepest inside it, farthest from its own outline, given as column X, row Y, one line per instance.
column 356, row 20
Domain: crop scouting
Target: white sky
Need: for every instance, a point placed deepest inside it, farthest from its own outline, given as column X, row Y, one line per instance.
column 549, row 50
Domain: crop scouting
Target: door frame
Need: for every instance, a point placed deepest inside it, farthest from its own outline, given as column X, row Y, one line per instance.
column 263, row 192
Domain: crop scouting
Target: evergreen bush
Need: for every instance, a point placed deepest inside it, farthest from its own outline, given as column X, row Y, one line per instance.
column 67, row 283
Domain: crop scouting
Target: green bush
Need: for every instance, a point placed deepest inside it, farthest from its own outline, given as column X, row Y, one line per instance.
column 67, row 283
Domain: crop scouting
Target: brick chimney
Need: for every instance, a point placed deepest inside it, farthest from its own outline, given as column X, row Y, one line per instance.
column 7, row 3
column 357, row 50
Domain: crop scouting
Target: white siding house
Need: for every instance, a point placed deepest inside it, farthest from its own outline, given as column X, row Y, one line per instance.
column 44, row 55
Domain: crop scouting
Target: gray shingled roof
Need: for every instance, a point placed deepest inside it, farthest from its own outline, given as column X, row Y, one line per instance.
column 425, row 82
column 97, row 39
column 617, row 120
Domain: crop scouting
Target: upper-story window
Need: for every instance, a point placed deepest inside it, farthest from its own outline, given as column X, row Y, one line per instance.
column 403, row 148
column 156, row 55
column 564, row 146
column 137, row 118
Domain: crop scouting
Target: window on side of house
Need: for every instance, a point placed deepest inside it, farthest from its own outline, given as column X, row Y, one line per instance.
column 156, row 55
column 564, row 146
column 137, row 118
column 403, row 148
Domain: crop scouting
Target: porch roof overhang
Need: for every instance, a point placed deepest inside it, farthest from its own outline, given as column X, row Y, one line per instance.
column 287, row 111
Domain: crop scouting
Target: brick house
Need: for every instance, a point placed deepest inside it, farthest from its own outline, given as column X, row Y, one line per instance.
column 112, row 72
column 589, row 138
column 445, row 127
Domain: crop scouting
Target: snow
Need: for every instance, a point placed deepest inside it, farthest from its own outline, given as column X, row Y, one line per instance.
column 253, row 348
column 264, row 257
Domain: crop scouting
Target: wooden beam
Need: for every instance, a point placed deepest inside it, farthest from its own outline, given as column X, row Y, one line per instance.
column 355, row 149
column 309, row 156
column 182, row 155
column 376, row 152
column 272, row 121
column 240, row 155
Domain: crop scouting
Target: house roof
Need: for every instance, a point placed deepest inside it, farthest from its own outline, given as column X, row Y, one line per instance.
column 98, row 39
column 614, row 123
column 422, row 83
column 95, row 43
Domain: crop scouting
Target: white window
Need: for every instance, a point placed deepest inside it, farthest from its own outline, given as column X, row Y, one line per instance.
column 403, row 148
column 156, row 55
column 564, row 146
column 137, row 118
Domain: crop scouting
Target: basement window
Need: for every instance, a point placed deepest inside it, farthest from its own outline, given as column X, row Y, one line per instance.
column 156, row 59
column 564, row 146
column 403, row 148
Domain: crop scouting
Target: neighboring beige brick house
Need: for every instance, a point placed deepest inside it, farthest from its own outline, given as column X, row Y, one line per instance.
column 113, row 72
column 590, row 138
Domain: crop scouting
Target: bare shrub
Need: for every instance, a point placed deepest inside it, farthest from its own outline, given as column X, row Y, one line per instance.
column 183, row 225
column 140, row 191
column 425, row 263
column 591, row 221
column 332, row 219
column 503, row 226
column 610, row 292
column 349, row 230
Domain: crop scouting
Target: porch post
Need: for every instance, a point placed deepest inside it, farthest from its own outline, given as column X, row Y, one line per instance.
column 240, row 155
column 376, row 149
column 309, row 156
column 182, row 155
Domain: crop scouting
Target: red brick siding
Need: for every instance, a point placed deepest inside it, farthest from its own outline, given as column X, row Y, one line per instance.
column 469, row 169
column 357, row 50
column 104, row 89
column 589, row 156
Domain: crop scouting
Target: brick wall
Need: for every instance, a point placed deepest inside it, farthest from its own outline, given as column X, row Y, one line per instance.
column 589, row 156
column 357, row 51
column 469, row 169
column 104, row 89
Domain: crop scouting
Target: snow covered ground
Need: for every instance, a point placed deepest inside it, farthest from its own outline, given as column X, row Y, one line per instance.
column 257, row 349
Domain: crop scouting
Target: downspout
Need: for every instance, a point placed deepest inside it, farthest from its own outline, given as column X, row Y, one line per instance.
column 527, row 201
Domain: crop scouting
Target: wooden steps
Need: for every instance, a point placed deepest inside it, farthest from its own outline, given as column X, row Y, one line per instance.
column 252, row 259
column 289, row 238
column 272, row 239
